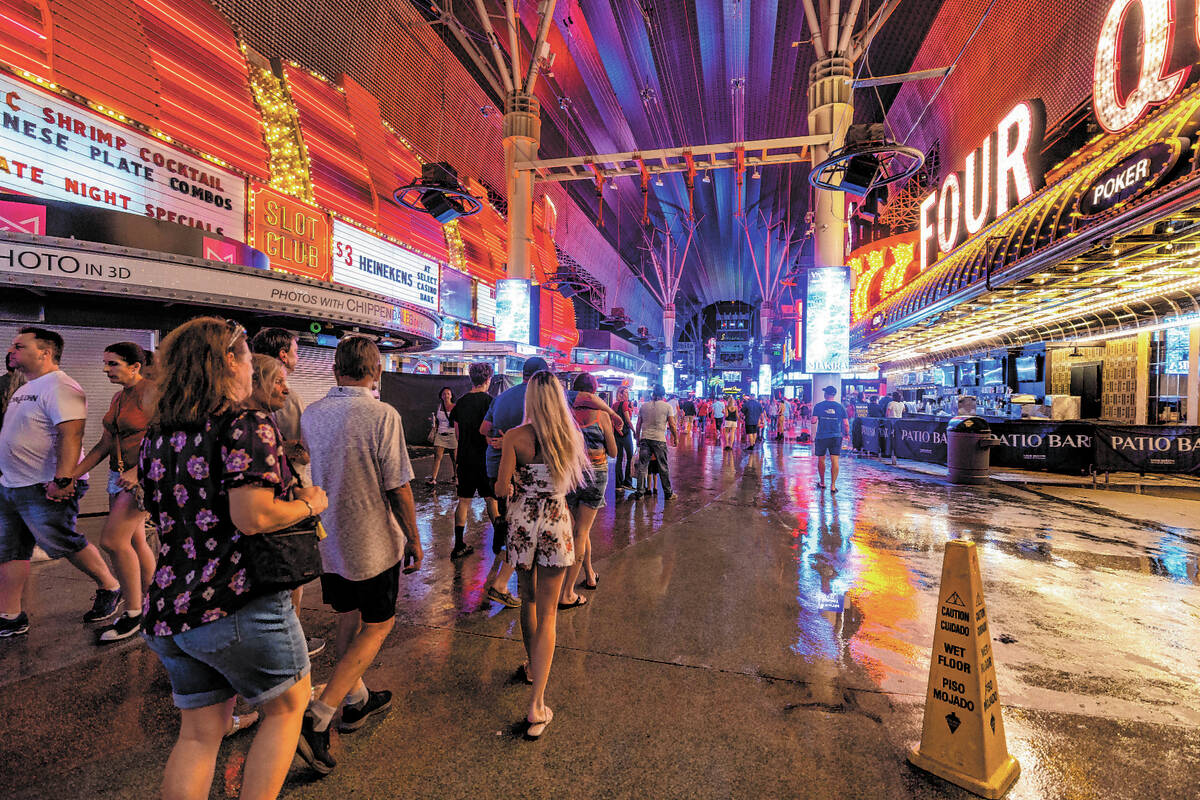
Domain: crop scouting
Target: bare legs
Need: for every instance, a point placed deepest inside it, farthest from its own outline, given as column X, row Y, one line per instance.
column 189, row 771
column 124, row 539
column 583, row 517
column 13, row 575
column 540, row 588
column 358, row 643
column 833, row 471
column 438, row 452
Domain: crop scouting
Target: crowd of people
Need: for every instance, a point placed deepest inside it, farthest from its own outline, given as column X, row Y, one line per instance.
column 226, row 496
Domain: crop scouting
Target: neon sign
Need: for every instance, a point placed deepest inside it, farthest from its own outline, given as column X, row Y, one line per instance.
column 1155, row 85
column 999, row 175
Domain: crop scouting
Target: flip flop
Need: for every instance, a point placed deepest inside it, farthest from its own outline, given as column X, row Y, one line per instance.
column 591, row 587
column 536, row 729
column 580, row 600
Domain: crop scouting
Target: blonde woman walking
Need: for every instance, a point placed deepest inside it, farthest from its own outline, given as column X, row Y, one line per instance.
column 540, row 462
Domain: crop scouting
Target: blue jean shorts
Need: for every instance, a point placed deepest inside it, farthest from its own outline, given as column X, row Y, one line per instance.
column 257, row 652
column 591, row 492
column 28, row 518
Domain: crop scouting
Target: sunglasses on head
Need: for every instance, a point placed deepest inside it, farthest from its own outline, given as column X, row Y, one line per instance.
column 236, row 331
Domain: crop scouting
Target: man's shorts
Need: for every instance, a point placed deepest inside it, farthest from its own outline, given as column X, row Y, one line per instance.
column 473, row 480
column 591, row 492
column 719, row 421
column 831, row 446
column 375, row 597
column 257, row 652
column 28, row 518
column 751, row 429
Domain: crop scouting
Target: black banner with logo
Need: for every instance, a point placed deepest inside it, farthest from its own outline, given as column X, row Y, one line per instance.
column 1144, row 448
column 1054, row 446
column 920, row 440
column 872, row 435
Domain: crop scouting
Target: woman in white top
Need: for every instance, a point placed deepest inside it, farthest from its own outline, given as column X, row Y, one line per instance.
column 445, row 440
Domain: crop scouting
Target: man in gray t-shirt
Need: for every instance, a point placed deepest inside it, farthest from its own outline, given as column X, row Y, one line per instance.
column 655, row 419
column 360, row 459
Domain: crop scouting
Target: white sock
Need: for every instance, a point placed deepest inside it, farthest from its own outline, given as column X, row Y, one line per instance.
column 322, row 715
column 357, row 696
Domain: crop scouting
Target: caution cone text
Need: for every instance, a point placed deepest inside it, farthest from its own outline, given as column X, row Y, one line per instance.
column 962, row 739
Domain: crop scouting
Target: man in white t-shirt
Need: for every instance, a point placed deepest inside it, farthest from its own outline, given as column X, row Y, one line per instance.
column 41, row 442
column 655, row 420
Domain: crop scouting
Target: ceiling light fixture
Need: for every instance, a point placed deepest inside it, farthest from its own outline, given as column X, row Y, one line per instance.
column 658, row 181
column 707, row 177
column 757, row 175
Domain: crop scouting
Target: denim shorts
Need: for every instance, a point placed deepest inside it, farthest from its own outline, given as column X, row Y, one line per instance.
column 591, row 492
column 28, row 518
column 257, row 652
column 828, row 446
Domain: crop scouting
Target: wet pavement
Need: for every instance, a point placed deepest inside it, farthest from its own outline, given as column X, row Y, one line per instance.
column 755, row 637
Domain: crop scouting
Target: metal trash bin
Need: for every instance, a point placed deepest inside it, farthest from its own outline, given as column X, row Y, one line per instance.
column 968, row 450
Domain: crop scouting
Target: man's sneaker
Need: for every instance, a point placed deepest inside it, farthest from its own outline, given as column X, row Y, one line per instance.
column 668, row 495
column 123, row 628
column 503, row 597
column 315, row 645
column 14, row 627
column 461, row 551
column 104, row 606
column 313, row 747
column 354, row 718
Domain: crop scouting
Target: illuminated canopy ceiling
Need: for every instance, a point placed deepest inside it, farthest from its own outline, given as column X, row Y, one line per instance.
column 626, row 75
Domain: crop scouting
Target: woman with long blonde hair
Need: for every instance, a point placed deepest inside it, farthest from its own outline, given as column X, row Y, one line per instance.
column 540, row 462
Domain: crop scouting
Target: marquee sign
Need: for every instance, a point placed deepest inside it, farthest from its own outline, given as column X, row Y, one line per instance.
column 53, row 148
column 377, row 265
column 63, row 265
column 997, row 176
column 1131, row 177
column 293, row 234
column 1153, row 81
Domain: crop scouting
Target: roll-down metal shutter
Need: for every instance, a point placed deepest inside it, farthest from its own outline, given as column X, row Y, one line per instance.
column 82, row 355
column 313, row 377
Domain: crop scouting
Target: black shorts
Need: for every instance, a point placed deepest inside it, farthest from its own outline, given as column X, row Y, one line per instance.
column 473, row 480
column 751, row 429
column 375, row 597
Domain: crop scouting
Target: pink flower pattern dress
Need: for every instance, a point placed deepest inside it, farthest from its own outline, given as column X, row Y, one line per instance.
column 539, row 523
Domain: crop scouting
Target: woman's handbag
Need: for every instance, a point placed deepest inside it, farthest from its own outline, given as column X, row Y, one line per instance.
column 282, row 560
column 433, row 429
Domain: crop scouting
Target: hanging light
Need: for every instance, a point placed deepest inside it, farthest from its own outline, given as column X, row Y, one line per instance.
column 707, row 176
column 757, row 175
column 658, row 181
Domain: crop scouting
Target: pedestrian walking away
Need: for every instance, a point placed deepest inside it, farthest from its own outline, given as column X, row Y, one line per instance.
column 542, row 460
column 359, row 455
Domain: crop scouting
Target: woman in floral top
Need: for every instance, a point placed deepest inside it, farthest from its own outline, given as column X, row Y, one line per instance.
column 546, row 458
column 213, row 474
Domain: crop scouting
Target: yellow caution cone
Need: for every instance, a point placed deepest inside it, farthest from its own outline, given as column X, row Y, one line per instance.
column 962, row 739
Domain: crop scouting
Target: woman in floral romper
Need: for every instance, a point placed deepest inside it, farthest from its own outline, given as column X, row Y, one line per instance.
column 540, row 462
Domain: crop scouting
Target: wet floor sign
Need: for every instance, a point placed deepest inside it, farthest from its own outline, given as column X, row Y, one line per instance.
column 962, row 739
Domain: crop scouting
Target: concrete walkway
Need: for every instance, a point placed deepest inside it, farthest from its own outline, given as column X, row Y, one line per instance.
column 755, row 638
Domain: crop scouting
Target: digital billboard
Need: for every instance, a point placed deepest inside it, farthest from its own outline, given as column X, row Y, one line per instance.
column 1177, row 351
column 827, row 320
column 513, row 318
column 457, row 295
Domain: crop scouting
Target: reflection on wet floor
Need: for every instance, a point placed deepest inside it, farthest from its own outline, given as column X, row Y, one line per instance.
column 737, row 629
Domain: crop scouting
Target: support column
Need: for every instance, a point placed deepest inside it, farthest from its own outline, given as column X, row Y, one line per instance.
column 522, row 136
column 831, row 111
column 1193, row 378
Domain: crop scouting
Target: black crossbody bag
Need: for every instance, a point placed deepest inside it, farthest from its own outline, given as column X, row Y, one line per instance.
column 282, row 560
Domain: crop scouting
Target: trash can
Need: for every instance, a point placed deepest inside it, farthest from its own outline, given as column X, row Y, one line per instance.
column 968, row 450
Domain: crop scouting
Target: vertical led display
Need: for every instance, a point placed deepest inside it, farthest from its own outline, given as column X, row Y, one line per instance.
column 827, row 320
column 512, row 310
column 764, row 378
column 668, row 378
column 699, row 389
